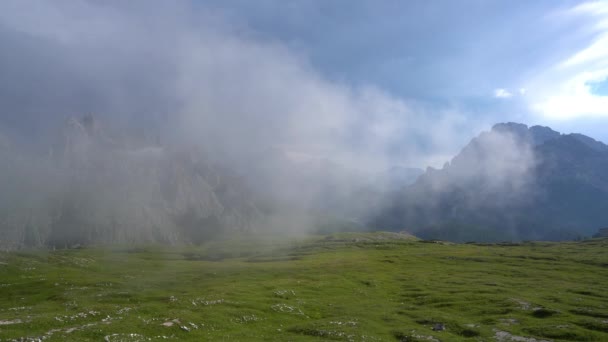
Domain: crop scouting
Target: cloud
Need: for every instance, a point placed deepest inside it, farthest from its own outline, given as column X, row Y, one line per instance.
column 201, row 77
column 170, row 81
column 565, row 91
column 502, row 93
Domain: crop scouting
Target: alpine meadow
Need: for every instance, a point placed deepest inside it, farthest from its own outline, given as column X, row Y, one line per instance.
column 304, row 170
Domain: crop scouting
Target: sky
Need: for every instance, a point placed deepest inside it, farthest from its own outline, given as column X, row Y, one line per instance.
column 361, row 82
column 541, row 62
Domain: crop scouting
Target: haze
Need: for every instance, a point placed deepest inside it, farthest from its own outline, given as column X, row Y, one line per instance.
column 105, row 103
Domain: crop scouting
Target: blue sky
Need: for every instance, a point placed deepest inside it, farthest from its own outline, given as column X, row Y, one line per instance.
column 411, row 81
column 519, row 60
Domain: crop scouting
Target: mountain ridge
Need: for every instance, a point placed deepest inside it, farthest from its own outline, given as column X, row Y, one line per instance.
column 513, row 182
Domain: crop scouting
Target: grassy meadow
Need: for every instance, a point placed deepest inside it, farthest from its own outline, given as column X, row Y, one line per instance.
column 343, row 287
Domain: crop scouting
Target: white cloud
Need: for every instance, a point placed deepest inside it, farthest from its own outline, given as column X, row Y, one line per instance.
column 502, row 93
column 564, row 91
column 575, row 98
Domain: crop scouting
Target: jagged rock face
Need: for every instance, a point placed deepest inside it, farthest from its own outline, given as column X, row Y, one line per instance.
column 497, row 161
column 535, row 135
column 107, row 192
column 590, row 142
column 513, row 182
column 541, row 134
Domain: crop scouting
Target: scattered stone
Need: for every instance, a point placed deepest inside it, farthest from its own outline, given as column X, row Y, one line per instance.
column 109, row 319
column 9, row 322
column 20, row 308
column 417, row 337
column 504, row 336
column 171, row 323
column 508, row 321
column 350, row 323
column 79, row 315
column 286, row 309
column 123, row 310
column 126, row 337
column 523, row 304
column 247, row 319
column 203, row 301
column 50, row 333
column 438, row 327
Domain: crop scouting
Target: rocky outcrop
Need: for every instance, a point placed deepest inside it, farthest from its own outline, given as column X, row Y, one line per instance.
column 97, row 189
column 510, row 183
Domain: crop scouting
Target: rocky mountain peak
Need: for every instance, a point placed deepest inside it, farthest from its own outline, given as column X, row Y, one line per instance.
column 511, row 127
column 513, row 182
column 535, row 135
column 542, row 134
column 597, row 146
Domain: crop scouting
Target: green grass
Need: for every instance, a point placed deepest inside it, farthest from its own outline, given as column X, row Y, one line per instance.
column 349, row 287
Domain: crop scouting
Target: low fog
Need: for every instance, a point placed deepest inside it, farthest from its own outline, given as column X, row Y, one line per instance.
column 130, row 123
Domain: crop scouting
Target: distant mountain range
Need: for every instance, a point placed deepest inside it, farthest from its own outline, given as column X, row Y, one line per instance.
column 511, row 183
column 95, row 186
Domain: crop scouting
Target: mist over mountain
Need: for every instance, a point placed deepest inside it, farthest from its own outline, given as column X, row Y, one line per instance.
column 511, row 183
column 92, row 187
column 208, row 121
column 96, row 185
column 192, row 111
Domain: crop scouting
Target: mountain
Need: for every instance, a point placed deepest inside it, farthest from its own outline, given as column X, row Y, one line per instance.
column 96, row 188
column 511, row 183
column 95, row 185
